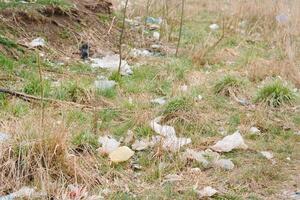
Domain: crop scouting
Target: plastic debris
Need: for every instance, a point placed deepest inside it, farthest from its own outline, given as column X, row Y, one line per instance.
column 129, row 137
column 282, row 18
column 169, row 141
column 156, row 46
column 214, row 27
column 104, row 84
column 297, row 133
column 224, row 164
column 111, row 62
column 121, row 154
column 295, row 196
column 206, row 158
column 267, row 154
column 24, row 192
column 254, row 130
column 108, row 144
column 38, row 42
column 152, row 20
column 156, row 35
column 140, row 53
column 173, row 178
column 77, row 192
column 199, row 97
column 207, row 192
column 160, row 101
column 229, row 143
column 4, row 137
column 184, row 88
column 140, row 145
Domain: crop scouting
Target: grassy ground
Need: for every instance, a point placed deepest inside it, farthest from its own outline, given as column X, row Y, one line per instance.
column 57, row 145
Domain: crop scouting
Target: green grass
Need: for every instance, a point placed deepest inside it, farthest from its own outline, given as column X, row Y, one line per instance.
column 70, row 91
column 35, row 87
column 275, row 94
column 85, row 141
column 38, row 3
column 226, row 83
column 9, row 43
column 178, row 104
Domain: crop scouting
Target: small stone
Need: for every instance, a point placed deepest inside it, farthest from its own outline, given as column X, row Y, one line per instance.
column 254, row 130
column 224, row 164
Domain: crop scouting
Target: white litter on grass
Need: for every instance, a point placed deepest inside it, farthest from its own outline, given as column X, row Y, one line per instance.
column 104, row 84
column 169, row 140
column 160, row 101
column 129, row 137
column 140, row 53
column 184, row 88
column 24, row 192
column 224, row 164
column 4, row 137
column 38, row 42
column 156, row 46
column 156, row 35
column 121, row 154
column 200, row 97
column 267, row 154
column 254, row 130
column 214, row 27
column 206, row 158
column 229, row 143
column 111, row 62
column 108, row 144
column 282, row 18
column 207, row 192
column 172, row 178
column 140, row 145
column 297, row 133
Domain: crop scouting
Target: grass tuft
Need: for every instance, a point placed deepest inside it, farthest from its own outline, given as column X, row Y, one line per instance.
column 178, row 104
column 227, row 85
column 275, row 94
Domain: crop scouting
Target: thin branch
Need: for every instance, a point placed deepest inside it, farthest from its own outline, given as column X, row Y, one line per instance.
column 121, row 37
column 181, row 25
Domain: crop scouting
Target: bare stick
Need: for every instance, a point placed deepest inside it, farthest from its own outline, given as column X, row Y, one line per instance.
column 181, row 25
column 121, row 38
column 42, row 88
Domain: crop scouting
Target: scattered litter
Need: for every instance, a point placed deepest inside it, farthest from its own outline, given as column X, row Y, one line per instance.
column 140, row 145
column 111, row 62
column 214, row 27
column 184, row 88
column 199, row 98
column 4, row 137
column 224, row 164
column 295, row 196
column 140, row 53
column 38, row 42
column 156, row 35
column 297, row 133
column 254, row 130
column 229, row 143
column 156, row 46
column 169, row 141
column 206, row 158
column 24, row 192
column 173, row 178
column 136, row 166
column 77, row 192
column 108, row 144
column 104, row 84
column 121, row 154
column 129, row 137
column 282, row 18
column 160, row 101
column 222, row 131
column 267, row 154
column 152, row 20
column 243, row 102
column 288, row 158
column 207, row 192
column 133, row 22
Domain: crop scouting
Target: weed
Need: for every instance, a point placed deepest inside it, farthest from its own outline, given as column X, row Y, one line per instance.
column 108, row 93
column 275, row 94
column 70, row 91
column 178, row 104
column 227, row 85
column 85, row 141
column 34, row 87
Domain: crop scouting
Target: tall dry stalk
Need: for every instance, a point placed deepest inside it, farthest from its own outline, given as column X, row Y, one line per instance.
column 121, row 38
column 42, row 89
column 181, row 25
